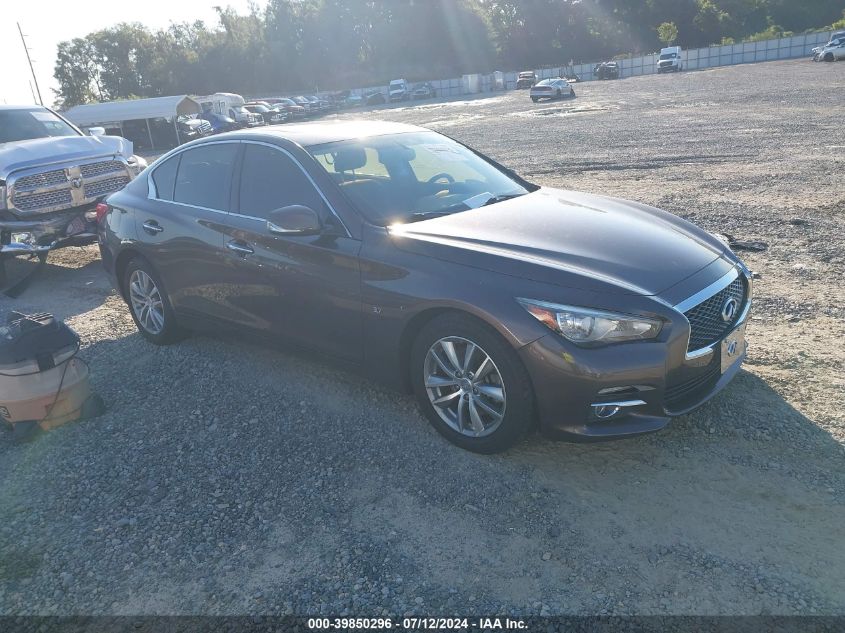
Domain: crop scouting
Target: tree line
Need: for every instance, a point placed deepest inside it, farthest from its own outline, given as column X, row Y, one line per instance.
column 310, row 45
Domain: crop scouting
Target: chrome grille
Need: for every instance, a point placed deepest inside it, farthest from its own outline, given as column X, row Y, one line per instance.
column 32, row 192
column 44, row 179
column 98, row 169
column 32, row 201
column 102, row 187
column 706, row 323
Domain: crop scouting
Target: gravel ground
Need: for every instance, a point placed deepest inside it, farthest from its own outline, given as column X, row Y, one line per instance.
column 231, row 478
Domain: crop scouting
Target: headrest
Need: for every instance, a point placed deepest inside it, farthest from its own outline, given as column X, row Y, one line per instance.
column 350, row 158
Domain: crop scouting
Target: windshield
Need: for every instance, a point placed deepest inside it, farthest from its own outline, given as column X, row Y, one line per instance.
column 668, row 56
column 411, row 176
column 21, row 124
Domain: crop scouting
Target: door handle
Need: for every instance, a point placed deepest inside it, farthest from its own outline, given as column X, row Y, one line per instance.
column 152, row 227
column 240, row 248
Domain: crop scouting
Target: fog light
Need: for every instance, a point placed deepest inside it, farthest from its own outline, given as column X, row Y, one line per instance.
column 22, row 238
column 605, row 411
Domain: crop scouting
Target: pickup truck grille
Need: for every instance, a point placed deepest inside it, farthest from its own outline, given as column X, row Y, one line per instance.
column 44, row 179
column 45, row 199
column 31, row 191
column 102, row 187
column 98, row 169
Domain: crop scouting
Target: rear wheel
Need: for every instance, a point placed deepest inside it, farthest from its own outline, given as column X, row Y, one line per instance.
column 149, row 305
column 571, row 92
column 471, row 384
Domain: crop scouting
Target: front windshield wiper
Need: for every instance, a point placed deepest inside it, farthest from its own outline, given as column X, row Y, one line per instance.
column 418, row 216
column 501, row 198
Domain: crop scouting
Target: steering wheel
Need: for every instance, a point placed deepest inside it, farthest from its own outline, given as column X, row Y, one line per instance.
column 442, row 175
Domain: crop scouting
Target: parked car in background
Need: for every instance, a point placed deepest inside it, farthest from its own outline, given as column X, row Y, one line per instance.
column 424, row 90
column 293, row 109
column 374, row 98
column 191, row 127
column 51, row 178
column 551, row 89
column 526, row 79
column 832, row 51
column 398, row 90
column 836, row 36
column 219, row 123
column 319, row 105
column 271, row 116
column 606, row 70
column 306, row 105
column 670, row 60
column 353, row 101
column 500, row 302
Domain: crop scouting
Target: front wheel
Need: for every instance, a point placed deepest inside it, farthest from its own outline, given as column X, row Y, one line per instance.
column 572, row 93
column 471, row 384
column 149, row 305
column 828, row 57
column 535, row 99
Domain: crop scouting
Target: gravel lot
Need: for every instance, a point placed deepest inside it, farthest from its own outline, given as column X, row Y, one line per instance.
column 231, row 478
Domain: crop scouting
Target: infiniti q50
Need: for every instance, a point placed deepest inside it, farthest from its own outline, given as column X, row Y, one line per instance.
column 500, row 303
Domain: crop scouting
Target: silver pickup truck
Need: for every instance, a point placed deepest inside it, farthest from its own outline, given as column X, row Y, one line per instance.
column 51, row 177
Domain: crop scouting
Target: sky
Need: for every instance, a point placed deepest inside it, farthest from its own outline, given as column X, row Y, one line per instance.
column 47, row 22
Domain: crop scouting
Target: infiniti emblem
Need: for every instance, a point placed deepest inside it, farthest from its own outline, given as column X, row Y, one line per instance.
column 731, row 350
column 76, row 183
column 729, row 308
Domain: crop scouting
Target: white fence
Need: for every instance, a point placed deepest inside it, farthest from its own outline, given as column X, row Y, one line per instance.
column 693, row 59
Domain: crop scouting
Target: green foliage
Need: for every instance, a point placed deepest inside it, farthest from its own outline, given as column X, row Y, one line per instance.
column 308, row 45
column 667, row 33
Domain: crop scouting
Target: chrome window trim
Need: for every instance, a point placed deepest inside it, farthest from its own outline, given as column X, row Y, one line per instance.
column 711, row 290
column 152, row 193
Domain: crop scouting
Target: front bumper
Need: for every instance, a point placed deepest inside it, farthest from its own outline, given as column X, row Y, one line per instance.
column 37, row 236
column 569, row 382
column 643, row 384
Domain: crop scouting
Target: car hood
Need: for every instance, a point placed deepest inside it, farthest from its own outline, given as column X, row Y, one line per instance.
column 55, row 149
column 569, row 239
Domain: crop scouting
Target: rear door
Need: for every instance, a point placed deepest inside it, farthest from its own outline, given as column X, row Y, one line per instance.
column 182, row 226
column 303, row 289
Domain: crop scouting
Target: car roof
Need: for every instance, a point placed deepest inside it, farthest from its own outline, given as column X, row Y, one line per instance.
column 317, row 133
column 23, row 106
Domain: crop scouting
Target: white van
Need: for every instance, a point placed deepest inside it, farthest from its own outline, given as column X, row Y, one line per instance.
column 670, row 60
column 230, row 105
column 398, row 90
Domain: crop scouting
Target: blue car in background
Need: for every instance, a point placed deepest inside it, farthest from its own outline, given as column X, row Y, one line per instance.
column 219, row 123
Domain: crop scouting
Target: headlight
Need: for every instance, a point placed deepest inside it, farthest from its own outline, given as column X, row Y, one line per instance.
column 585, row 326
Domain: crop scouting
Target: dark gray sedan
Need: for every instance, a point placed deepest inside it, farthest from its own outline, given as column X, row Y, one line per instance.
column 429, row 266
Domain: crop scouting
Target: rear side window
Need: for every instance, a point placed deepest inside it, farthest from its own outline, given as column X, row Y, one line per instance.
column 271, row 180
column 205, row 175
column 164, row 178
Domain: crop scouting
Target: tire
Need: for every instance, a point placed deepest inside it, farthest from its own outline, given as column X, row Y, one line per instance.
column 138, row 275
column 571, row 93
column 559, row 95
column 828, row 57
column 502, row 398
column 535, row 99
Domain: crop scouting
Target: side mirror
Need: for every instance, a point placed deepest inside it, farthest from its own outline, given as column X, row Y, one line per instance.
column 97, row 131
column 295, row 219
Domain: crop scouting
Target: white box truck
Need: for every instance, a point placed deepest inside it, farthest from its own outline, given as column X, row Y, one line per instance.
column 230, row 105
column 670, row 60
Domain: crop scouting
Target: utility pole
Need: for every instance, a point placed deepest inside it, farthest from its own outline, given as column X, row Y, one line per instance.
column 31, row 69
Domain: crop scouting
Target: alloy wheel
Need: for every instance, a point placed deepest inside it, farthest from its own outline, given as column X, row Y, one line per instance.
column 464, row 386
column 147, row 305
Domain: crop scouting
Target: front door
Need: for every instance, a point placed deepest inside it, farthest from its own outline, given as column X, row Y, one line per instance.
column 303, row 289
